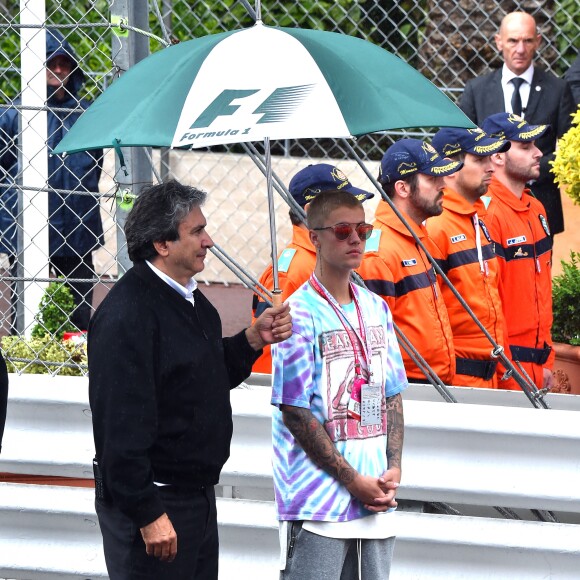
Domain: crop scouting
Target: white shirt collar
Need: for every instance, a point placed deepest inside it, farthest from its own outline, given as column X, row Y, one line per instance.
column 185, row 291
column 508, row 88
column 507, row 75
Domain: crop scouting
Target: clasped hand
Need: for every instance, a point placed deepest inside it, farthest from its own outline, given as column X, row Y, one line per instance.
column 377, row 493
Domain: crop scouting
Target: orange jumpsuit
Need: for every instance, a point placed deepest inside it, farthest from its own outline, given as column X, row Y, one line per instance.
column 295, row 264
column 475, row 275
column 524, row 250
column 395, row 268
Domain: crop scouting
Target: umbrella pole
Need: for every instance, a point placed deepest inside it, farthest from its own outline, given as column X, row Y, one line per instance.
column 276, row 292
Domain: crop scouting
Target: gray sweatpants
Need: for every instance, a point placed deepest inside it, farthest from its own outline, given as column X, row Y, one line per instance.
column 313, row 557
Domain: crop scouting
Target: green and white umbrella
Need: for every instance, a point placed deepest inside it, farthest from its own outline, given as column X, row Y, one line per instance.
column 280, row 83
column 259, row 84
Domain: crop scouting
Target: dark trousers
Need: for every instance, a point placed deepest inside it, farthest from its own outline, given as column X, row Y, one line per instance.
column 77, row 267
column 193, row 515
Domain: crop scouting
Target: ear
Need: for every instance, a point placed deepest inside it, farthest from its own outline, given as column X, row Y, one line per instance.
column 402, row 189
column 314, row 238
column 498, row 159
column 498, row 42
column 162, row 248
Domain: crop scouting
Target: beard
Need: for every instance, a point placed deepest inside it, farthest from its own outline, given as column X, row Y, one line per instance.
column 429, row 208
column 521, row 173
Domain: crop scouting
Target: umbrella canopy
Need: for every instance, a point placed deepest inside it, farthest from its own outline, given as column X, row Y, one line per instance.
column 257, row 83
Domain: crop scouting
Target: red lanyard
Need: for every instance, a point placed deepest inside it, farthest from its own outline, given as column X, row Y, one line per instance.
column 350, row 330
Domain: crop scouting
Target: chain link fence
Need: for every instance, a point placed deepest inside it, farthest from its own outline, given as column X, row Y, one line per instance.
column 63, row 218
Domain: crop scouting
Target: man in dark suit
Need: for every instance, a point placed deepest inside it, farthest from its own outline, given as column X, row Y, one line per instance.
column 520, row 87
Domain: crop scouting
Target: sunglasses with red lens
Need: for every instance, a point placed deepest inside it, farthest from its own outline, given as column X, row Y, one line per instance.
column 344, row 231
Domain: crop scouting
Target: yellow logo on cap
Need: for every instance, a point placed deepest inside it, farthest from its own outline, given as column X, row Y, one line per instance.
column 451, row 165
column 451, row 148
column 310, row 193
column 430, row 151
column 533, row 133
column 516, row 120
column 338, row 175
column 488, row 148
column 405, row 168
column 479, row 134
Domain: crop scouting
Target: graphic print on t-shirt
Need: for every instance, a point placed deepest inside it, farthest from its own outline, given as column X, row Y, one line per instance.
column 337, row 355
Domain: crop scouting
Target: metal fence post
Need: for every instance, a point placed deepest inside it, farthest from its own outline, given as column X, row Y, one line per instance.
column 128, row 48
column 165, row 161
column 33, row 253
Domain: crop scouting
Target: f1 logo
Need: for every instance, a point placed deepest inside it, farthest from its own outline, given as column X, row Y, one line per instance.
column 277, row 107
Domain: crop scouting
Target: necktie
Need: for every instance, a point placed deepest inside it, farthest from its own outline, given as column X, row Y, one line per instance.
column 516, row 97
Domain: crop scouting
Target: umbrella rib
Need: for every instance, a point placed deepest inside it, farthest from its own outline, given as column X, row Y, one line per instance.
column 247, row 279
column 257, row 158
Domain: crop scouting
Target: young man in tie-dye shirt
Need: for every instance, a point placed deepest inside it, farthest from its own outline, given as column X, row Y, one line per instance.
column 338, row 417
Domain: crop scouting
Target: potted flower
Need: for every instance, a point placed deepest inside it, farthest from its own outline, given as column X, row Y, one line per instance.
column 566, row 287
column 566, row 163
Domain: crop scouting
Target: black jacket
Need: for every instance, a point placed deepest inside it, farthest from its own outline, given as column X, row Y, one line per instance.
column 573, row 77
column 550, row 103
column 159, row 380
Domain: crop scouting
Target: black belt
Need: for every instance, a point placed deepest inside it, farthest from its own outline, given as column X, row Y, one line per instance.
column 182, row 490
column 484, row 369
column 531, row 355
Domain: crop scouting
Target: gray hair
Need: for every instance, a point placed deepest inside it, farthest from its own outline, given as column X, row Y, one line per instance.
column 156, row 216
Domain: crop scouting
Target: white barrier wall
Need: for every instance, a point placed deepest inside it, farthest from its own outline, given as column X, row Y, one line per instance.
column 478, row 455
column 52, row 533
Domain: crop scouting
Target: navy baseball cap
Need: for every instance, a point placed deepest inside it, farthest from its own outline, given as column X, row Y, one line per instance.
column 450, row 140
column 409, row 156
column 314, row 179
column 512, row 127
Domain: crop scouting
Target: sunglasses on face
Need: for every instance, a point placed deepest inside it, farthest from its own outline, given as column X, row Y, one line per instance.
column 344, row 231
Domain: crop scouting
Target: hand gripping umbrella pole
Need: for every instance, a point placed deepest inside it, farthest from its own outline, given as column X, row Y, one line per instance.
column 535, row 396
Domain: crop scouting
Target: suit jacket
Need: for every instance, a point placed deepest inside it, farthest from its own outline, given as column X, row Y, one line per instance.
column 550, row 103
column 573, row 78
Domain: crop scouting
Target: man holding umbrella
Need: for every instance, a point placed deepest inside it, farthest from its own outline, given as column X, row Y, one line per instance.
column 338, row 422
column 159, row 380
column 296, row 262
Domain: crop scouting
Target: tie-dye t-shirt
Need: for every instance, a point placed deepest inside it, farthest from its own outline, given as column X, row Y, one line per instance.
column 314, row 369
